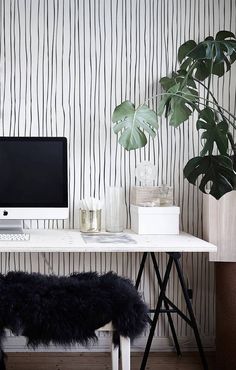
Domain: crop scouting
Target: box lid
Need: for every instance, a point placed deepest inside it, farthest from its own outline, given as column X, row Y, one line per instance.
column 155, row 210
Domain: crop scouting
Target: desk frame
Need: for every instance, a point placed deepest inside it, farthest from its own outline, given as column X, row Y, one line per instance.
column 42, row 241
column 174, row 260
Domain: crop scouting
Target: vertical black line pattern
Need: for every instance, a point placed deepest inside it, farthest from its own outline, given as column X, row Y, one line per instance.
column 14, row 66
column 99, row 53
column 84, row 95
column 115, row 94
column 96, row 143
column 30, row 68
column 69, row 108
column 62, row 69
column 20, row 72
column 43, row 83
column 48, row 69
column 3, row 65
column 98, row 43
column 1, row 20
column 74, row 119
column 37, row 69
column 80, row 152
column 11, row 63
column 102, row 110
column 53, row 69
column 111, row 96
column 89, row 45
column 105, row 92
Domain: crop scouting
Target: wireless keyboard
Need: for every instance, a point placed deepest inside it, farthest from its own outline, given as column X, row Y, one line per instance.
column 14, row 237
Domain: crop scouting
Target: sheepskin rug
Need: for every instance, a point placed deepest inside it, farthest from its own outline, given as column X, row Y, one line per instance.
column 68, row 310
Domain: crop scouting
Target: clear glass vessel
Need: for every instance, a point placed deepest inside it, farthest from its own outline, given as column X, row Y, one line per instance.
column 115, row 202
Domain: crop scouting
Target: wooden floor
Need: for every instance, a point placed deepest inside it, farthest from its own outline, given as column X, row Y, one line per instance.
column 101, row 361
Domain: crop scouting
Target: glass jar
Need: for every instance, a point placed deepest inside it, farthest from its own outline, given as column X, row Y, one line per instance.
column 115, row 202
column 166, row 196
column 90, row 221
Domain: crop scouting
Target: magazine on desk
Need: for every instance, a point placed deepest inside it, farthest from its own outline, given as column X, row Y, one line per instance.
column 108, row 238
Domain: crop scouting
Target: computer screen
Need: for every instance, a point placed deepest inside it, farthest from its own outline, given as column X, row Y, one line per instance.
column 33, row 172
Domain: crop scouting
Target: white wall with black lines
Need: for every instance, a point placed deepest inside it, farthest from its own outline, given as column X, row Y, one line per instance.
column 64, row 66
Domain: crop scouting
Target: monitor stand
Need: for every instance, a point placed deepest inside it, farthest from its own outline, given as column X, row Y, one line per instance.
column 11, row 227
column 12, row 230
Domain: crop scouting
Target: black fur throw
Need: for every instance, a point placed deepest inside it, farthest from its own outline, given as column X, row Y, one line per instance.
column 68, row 310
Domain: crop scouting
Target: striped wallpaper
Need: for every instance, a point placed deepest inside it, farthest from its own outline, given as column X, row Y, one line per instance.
column 64, row 66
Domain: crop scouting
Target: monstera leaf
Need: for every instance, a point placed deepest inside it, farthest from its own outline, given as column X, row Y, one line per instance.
column 185, row 49
column 215, row 133
column 180, row 76
column 221, row 52
column 178, row 103
column 132, row 124
column 217, row 172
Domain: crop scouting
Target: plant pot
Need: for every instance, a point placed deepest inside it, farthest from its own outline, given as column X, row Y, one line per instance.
column 219, row 220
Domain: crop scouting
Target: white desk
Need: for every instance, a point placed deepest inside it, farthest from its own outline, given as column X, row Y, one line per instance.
column 173, row 245
column 72, row 241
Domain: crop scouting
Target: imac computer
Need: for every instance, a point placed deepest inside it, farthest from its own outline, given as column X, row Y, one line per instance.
column 33, row 183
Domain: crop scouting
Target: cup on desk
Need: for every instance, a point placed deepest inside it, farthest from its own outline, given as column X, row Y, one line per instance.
column 90, row 215
column 90, row 221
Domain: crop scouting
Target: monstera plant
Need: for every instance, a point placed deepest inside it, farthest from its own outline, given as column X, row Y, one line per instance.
column 198, row 63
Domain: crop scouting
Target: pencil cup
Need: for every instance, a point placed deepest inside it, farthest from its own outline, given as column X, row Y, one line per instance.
column 90, row 221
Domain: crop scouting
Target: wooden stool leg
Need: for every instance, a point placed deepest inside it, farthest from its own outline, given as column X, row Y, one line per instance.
column 115, row 357
column 125, row 353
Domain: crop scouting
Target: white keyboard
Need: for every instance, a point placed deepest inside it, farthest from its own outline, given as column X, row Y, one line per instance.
column 14, row 237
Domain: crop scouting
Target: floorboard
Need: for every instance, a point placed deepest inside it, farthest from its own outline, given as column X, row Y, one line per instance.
column 101, row 361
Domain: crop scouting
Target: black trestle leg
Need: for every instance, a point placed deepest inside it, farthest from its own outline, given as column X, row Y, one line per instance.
column 2, row 360
column 141, row 268
column 172, row 327
column 190, row 310
column 157, row 312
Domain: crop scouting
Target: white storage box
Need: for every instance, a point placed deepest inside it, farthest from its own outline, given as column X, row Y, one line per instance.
column 155, row 220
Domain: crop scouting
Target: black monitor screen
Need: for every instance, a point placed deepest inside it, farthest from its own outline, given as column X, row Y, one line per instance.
column 33, row 172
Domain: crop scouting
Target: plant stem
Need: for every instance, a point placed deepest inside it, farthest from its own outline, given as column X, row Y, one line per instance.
column 215, row 101
column 208, row 90
column 232, row 143
column 209, row 80
column 188, row 73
